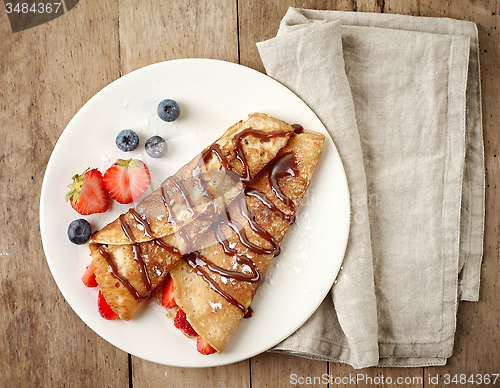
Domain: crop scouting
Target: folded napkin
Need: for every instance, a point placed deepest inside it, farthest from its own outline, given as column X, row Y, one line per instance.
column 400, row 96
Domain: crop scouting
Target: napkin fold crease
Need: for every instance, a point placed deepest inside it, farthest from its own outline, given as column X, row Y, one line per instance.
column 400, row 96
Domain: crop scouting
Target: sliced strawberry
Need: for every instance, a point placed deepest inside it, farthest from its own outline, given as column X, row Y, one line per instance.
column 180, row 322
column 203, row 346
column 105, row 309
column 127, row 180
column 88, row 277
column 167, row 299
column 87, row 193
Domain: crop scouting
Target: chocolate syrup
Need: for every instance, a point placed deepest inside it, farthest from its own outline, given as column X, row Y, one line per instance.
column 126, row 228
column 254, row 277
column 173, row 219
column 228, row 250
column 202, row 183
column 136, row 248
column 210, row 213
column 240, row 155
column 215, row 149
column 249, row 313
column 166, row 202
column 297, row 128
column 164, row 245
column 257, row 229
column 251, row 192
column 198, row 174
column 138, row 218
column 114, row 271
column 185, row 195
column 197, row 262
column 283, row 166
column 240, row 232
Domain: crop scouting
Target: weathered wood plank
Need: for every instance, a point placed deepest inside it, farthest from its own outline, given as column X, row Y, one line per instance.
column 46, row 74
column 278, row 370
column 152, row 32
column 383, row 377
column 147, row 374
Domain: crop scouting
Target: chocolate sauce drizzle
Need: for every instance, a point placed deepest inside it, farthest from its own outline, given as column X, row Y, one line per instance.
column 199, row 263
column 116, row 274
column 162, row 244
column 240, row 155
column 136, row 248
column 173, row 218
column 251, row 192
column 145, row 225
column 282, row 166
column 185, row 195
column 215, row 149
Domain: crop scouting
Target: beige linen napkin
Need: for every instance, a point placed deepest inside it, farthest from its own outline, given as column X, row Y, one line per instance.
column 400, row 96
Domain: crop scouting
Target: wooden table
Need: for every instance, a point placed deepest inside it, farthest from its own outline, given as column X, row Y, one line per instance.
column 48, row 72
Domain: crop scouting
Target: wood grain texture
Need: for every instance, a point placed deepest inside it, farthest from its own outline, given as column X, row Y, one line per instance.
column 47, row 73
column 146, row 374
column 154, row 31
column 278, row 370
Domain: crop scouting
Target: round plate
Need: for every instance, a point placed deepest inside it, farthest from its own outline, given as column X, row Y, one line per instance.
column 212, row 96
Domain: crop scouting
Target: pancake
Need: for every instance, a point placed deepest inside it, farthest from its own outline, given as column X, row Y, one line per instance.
column 133, row 254
column 216, row 284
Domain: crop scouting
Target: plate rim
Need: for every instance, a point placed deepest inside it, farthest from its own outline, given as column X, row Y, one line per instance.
column 82, row 110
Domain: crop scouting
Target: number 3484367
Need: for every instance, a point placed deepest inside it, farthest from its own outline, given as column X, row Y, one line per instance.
column 32, row 8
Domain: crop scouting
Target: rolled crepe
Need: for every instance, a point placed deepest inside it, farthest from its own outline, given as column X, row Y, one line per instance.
column 216, row 284
column 133, row 254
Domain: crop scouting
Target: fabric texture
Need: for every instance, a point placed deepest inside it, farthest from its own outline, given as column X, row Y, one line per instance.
column 400, row 97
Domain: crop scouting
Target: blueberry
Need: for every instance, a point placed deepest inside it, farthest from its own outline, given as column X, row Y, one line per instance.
column 168, row 110
column 127, row 140
column 156, row 146
column 79, row 231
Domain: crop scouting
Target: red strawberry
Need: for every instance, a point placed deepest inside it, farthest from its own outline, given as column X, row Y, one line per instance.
column 203, row 346
column 127, row 180
column 88, row 277
column 180, row 322
column 167, row 299
column 88, row 194
column 105, row 309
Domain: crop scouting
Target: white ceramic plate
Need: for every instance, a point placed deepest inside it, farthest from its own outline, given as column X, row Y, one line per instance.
column 212, row 95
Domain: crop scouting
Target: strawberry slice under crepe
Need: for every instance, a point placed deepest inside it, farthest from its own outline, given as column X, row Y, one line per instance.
column 214, row 226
